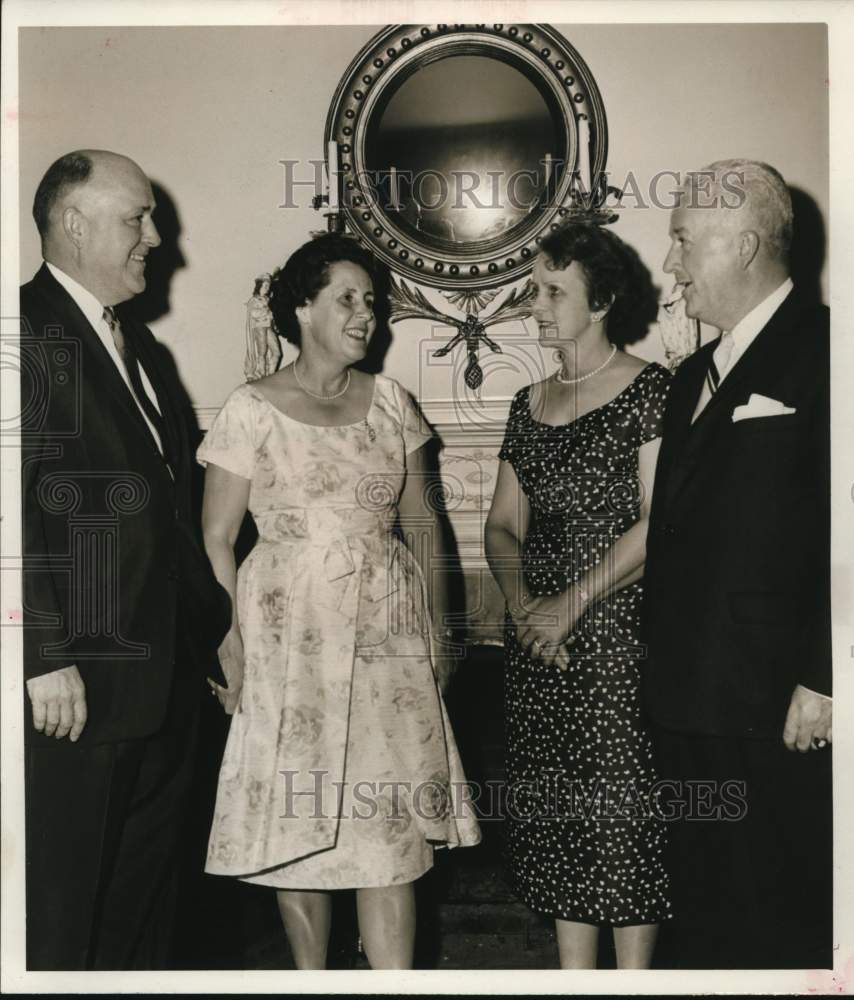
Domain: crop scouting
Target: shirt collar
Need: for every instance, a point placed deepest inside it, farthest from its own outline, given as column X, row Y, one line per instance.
column 85, row 300
column 746, row 330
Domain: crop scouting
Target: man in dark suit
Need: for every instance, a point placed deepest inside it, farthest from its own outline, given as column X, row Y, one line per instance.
column 737, row 586
column 122, row 612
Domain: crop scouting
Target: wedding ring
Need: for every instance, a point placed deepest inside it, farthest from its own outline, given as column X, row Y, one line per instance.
column 818, row 744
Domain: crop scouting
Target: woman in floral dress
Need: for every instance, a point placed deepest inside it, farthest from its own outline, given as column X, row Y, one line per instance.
column 340, row 769
column 566, row 540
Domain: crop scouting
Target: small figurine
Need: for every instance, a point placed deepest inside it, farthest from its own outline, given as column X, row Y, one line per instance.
column 263, row 351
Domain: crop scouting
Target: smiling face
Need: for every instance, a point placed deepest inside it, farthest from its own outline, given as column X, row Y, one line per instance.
column 561, row 307
column 340, row 319
column 114, row 229
column 704, row 260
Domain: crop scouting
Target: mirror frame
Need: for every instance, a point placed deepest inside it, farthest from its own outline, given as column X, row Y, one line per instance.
column 391, row 57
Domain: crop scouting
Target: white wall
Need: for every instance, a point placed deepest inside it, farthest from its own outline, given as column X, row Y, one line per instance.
column 209, row 112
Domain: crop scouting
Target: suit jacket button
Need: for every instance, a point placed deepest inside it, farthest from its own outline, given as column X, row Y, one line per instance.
column 669, row 529
column 173, row 574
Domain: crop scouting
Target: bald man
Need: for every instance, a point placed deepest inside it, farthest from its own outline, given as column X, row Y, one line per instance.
column 122, row 612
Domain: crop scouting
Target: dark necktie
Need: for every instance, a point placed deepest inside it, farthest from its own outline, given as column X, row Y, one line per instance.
column 718, row 365
column 124, row 345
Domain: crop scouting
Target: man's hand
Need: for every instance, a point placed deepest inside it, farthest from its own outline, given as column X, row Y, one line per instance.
column 809, row 719
column 59, row 703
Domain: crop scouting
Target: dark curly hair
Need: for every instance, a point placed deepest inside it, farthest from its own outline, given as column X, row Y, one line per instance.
column 66, row 172
column 614, row 275
column 306, row 273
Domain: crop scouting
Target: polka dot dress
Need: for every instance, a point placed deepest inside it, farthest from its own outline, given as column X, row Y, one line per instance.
column 584, row 844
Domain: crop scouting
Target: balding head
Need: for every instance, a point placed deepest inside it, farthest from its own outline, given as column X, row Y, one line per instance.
column 66, row 173
column 93, row 211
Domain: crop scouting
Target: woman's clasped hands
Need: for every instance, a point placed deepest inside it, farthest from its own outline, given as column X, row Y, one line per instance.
column 544, row 625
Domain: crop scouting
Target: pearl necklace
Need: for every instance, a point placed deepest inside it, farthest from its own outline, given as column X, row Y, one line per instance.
column 565, row 380
column 320, row 395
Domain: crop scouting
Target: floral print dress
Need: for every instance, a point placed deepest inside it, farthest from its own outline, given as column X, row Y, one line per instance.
column 340, row 769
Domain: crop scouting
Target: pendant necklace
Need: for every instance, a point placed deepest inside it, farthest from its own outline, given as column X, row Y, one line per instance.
column 372, row 434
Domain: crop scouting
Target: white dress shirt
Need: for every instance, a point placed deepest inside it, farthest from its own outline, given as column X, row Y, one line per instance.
column 734, row 343
column 94, row 313
column 748, row 328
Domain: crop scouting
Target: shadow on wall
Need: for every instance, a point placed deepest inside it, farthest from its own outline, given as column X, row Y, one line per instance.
column 374, row 363
column 154, row 303
column 374, row 360
column 163, row 262
column 809, row 245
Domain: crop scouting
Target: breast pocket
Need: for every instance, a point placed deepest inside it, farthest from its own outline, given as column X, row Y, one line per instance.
column 787, row 423
column 764, row 454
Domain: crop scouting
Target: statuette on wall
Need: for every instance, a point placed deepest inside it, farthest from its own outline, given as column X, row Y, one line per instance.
column 263, row 351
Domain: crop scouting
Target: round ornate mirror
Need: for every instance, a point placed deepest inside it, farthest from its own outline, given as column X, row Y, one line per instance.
column 460, row 145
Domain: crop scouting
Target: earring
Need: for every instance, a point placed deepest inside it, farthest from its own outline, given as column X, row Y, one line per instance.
column 597, row 317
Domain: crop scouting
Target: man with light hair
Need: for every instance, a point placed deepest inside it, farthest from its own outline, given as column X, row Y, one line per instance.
column 122, row 612
column 737, row 607
column 755, row 187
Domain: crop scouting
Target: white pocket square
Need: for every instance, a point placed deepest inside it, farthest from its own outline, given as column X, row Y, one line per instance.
column 760, row 406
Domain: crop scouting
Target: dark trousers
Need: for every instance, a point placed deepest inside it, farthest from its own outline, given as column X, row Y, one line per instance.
column 751, row 857
column 104, row 828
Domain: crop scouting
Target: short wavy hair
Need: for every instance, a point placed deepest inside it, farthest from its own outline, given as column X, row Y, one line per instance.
column 751, row 186
column 66, row 172
column 305, row 273
column 615, row 277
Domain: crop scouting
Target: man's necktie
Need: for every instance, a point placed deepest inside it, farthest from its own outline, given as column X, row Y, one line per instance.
column 718, row 364
column 124, row 346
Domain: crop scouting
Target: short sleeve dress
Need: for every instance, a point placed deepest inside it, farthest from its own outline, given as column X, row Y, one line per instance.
column 340, row 769
column 585, row 840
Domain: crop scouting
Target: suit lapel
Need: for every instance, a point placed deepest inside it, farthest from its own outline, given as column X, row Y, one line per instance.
column 765, row 355
column 683, row 401
column 102, row 368
column 165, row 401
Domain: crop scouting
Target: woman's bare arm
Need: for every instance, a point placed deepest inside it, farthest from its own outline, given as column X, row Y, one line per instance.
column 225, row 504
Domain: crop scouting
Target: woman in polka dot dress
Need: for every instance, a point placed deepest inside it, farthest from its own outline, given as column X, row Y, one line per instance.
column 566, row 539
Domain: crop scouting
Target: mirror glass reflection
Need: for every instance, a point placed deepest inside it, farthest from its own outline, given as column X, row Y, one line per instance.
column 464, row 150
